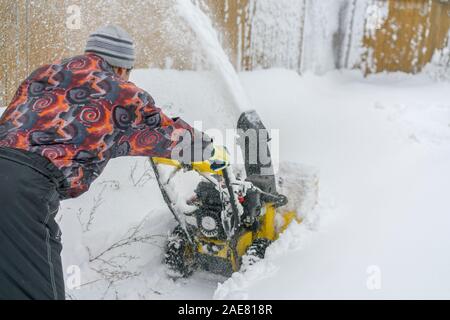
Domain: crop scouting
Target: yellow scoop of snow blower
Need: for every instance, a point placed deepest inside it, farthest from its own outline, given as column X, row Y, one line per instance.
column 215, row 165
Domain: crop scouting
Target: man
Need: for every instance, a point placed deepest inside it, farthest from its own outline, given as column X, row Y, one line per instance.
column 66, row 121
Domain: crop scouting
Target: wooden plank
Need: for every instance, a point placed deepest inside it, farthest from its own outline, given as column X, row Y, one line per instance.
column 424, row 50
column 421, row 24
column 8, row 11
column 429, row 41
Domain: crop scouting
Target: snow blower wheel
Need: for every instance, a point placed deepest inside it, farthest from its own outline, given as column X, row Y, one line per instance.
column 179, row 257
column 257, row 251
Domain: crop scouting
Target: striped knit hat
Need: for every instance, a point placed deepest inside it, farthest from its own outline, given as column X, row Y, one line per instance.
column 113, row 44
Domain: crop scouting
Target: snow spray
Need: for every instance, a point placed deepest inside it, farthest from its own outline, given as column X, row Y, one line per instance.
column 209, row 41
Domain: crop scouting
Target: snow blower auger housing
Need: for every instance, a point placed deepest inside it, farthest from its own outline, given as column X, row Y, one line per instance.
column 232, row 218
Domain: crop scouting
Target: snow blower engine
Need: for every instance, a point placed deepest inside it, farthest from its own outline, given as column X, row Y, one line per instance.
column 233, row 218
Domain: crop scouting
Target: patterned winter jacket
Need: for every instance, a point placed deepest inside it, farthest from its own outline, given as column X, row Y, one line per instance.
column 78, row 114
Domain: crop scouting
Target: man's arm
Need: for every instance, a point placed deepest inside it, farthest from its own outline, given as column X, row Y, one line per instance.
column 149, row 132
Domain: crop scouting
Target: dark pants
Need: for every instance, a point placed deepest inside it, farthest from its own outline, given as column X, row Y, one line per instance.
column 30, row 239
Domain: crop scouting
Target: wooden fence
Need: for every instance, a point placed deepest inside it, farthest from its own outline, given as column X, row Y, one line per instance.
column 34, row 32
column 408, row 38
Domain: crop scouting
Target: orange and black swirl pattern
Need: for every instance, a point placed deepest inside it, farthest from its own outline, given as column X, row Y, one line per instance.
column 78, row 114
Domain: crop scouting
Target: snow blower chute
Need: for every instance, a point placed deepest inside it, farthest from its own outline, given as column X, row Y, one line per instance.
column 232, row 217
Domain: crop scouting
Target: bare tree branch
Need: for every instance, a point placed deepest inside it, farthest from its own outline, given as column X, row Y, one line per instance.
column 145, row 177
column 98, row 201
column 131, row 237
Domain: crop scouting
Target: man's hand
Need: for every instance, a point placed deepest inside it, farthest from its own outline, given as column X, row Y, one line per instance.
column 220, row 159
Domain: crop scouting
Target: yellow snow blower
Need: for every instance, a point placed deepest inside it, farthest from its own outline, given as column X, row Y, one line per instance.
column 232, row 217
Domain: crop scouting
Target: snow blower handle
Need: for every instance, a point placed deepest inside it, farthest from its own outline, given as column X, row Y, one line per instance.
column 220, row 159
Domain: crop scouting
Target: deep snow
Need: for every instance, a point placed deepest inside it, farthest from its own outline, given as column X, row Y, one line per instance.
column 382, row 147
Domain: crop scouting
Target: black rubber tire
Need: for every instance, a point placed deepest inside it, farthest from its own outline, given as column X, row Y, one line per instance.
column 179, row 257
column 257, row 251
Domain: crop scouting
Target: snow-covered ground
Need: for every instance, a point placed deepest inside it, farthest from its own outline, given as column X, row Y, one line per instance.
column 382, row 148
